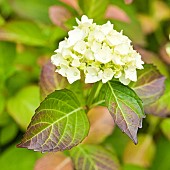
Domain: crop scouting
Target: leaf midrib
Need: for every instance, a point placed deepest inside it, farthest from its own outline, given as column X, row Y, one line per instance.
column 55, row 122
column 146, row 84
column 119, row 107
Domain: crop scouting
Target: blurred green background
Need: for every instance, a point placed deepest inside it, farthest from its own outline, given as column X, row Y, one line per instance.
column 29, row 33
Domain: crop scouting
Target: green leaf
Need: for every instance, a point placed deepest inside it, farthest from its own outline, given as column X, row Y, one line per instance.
column 94, row 9
column 161, row 107
column 5, row 136
column 77, row 89
column 58, row 124
column 125, row 107
column 93, row 157
column 7, row 57
column 165, row 127
column 22, row 106
column 50, row 80
column 117, row 141
column 23, row 32
column 17, row 159
column 2, row 103
column 132, row 167
column 4, row 118
column 150, row 84
column 161, row 160
column 36, row 10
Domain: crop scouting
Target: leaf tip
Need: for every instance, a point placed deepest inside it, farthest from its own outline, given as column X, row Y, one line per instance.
column 135, row 140
column 19, row 145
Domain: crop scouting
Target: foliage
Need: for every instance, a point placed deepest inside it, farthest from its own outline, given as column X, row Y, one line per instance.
column 65, row 115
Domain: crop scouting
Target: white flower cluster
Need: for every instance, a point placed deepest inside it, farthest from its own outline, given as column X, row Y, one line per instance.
column 98, row 51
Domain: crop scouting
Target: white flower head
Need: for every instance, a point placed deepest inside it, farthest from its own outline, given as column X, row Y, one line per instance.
column 98, row 51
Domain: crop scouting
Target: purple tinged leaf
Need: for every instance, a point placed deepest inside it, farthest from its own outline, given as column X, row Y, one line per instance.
column 116, row 13
column 125, row 107
column 128, row 1
column 150, row 84
column 58, row 15
column 161, row 107
column 54, row 161
column 72, row 3
column 93, row 157
column 59, row 123
column 141, row 154
column 50, row 80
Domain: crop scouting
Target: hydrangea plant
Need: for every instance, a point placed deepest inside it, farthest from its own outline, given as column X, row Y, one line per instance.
column 94, row 66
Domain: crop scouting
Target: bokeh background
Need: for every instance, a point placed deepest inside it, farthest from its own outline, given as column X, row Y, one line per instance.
column 29, row 33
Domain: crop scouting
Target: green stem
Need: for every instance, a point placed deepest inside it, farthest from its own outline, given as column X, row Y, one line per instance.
column 94, row 93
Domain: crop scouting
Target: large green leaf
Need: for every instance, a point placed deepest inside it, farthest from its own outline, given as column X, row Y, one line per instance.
column 150, row 84
column 36, row 10
column 117, row 141
column 93, row 157
column 161, row 160
column 77, row 89
column 4, row 118
column 2, row 103
column 18, row 159
column 7, row 57
column 94, row 8
column 58, row 124
column 29, row 33
column 125, row 107
column 165, row 127
column 23, row 32
column 5, row 136
column 161, row 107
column 132, row 167
column 22, row 106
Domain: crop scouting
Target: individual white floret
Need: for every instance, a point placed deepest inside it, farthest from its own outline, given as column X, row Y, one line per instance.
column 107, row 75
column 75, row 35
column 80, row 47
column 103, row 55
column 93, row 75
column 72, row 74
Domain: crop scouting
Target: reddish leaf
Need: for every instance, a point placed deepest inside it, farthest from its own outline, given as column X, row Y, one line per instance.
column 141, row 154
column 54, row 161
column 101, row 125
column 161, row 107
column 58, row 15
column 114, row 12
column 151, row 58
column 128, row 1
column 72, row 3
column 150, row 84
column 148, row 20
column 50, row 80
